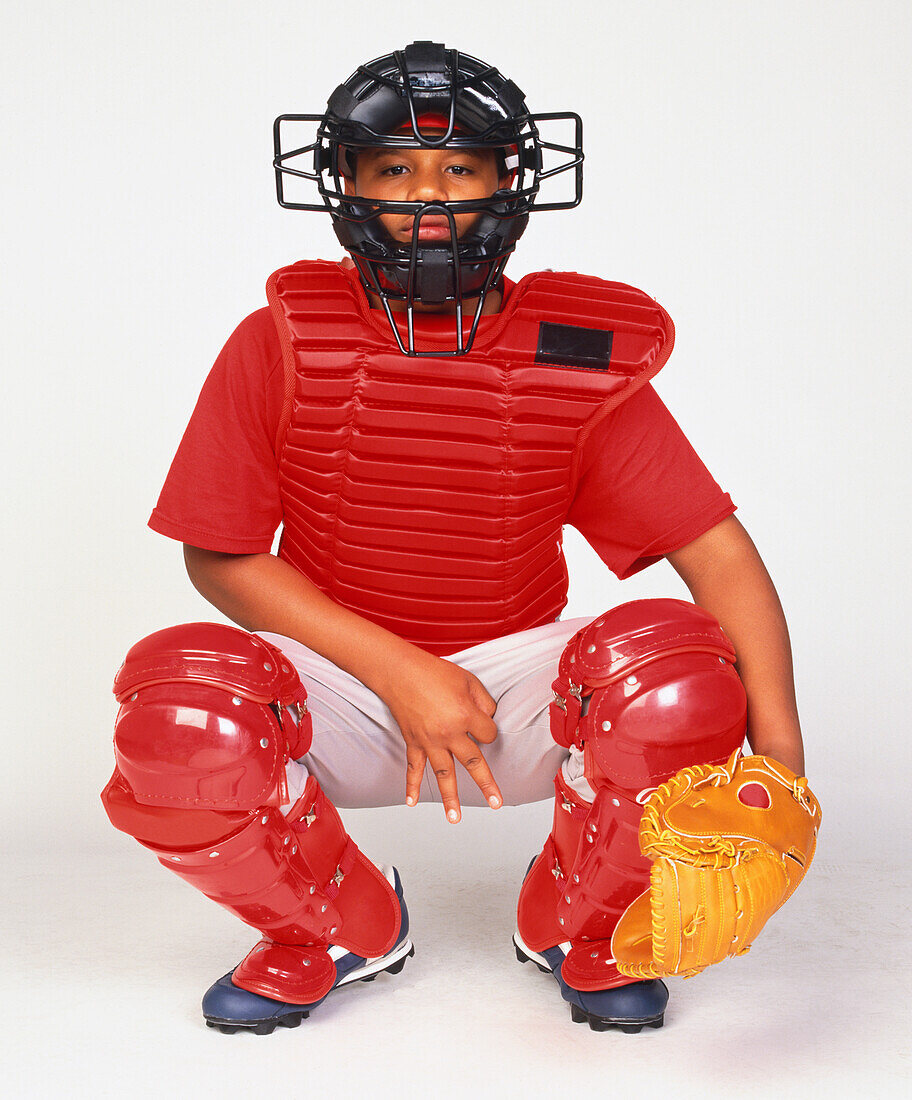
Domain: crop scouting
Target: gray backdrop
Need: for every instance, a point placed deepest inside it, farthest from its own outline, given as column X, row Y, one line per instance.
column 747, row 164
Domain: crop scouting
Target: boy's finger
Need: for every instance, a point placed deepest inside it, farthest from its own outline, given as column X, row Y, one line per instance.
column 475, row 764
column 415, row 760
column 483, row 699
column 483, row 728
column 445, row 774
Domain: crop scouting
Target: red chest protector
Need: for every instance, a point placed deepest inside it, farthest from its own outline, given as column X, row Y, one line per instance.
column 429, row 495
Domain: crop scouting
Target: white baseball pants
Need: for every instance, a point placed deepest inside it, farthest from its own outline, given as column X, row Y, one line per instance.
column 358, row 754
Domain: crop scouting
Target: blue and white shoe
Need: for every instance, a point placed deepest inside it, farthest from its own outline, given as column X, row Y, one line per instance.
column 229, row 1008
column 628, row 1007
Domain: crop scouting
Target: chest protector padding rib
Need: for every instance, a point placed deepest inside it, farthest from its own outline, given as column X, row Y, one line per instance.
column 429, row 495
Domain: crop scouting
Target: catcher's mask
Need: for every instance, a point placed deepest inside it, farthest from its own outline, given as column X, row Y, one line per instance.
column 429, row 97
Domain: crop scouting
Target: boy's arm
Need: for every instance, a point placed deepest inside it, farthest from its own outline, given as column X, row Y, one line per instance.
column 727, row 577
column 442, row 710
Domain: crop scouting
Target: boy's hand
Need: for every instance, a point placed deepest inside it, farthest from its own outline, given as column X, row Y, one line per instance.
column 443, row 712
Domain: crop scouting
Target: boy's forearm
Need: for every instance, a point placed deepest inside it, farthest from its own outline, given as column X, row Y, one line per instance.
column 727, row 577
column 262, row 592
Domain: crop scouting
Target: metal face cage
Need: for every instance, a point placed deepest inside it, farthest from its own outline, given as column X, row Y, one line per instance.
column 387, row 104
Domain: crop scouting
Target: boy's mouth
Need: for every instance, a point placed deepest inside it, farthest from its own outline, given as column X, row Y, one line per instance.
column 432, row 227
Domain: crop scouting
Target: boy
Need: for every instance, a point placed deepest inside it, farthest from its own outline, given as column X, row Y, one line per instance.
column 418, row 585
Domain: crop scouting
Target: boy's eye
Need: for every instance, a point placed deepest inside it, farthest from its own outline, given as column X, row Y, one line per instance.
column 402, row 169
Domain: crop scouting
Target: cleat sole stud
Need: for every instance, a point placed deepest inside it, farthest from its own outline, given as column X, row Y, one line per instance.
column 397, row 966
column 524, row 958
column 293, row 1019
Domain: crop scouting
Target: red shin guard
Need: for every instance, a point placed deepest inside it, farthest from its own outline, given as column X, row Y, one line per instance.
column 300, row 880
column 202, row 739
column 645, row 690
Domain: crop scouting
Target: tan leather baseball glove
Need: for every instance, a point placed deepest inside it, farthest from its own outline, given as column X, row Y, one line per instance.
column 730, row 844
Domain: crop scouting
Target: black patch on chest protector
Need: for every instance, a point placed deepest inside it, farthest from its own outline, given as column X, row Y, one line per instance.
column 573, row 346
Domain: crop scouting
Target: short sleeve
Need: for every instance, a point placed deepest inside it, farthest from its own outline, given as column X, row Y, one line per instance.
column 222, row 491
column 643, row 491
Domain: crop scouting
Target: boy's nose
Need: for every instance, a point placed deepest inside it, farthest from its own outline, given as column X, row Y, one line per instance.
column 428, row 187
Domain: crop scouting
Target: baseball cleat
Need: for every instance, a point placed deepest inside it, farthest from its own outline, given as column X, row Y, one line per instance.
column 627, row 1008
column 228, row 1008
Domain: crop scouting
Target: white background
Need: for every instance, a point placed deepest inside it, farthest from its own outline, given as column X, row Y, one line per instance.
column 747, row 164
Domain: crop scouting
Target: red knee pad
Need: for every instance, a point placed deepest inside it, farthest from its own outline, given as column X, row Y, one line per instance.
column 646, row 689
column 206, row 719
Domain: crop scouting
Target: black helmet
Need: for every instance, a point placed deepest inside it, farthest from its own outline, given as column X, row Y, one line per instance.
column 427, row 96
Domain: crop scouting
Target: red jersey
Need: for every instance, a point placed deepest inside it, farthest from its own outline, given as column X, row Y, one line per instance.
column 637, row 490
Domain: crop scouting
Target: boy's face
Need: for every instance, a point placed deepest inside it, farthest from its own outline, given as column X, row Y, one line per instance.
column 426, row 175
